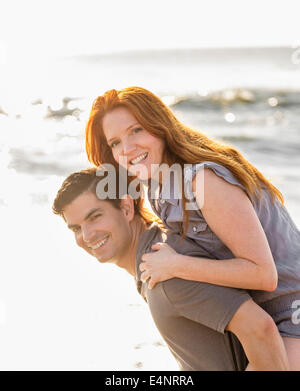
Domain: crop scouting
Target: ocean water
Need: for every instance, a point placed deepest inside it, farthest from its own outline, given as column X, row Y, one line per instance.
column 60, row 309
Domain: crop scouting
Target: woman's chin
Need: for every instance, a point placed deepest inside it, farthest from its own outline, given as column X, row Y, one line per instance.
column 140, row 171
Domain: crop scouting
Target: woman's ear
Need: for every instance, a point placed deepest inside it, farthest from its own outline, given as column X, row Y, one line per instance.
column 127, row 206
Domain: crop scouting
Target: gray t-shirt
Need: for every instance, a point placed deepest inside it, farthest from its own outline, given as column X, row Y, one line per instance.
column 282, row 234
column 192, row 316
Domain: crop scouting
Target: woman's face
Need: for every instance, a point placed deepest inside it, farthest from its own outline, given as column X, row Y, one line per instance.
column 132, row 146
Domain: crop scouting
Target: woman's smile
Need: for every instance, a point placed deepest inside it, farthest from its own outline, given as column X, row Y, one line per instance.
column 132, row 146
column 139, row 159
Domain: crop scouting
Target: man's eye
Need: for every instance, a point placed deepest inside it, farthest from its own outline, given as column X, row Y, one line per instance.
column 95, row 217
column 75, row 230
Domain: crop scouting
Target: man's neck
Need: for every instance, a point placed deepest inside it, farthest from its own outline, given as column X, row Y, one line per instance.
column 128, row 261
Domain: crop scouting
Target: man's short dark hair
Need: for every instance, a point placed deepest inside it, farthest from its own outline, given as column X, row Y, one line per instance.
column 87, row 180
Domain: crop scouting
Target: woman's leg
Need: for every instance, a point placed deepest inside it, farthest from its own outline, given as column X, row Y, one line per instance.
column 292, row 347
column 249, row 368
column 260, row 338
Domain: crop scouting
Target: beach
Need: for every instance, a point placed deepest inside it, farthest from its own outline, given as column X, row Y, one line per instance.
column 59, row 308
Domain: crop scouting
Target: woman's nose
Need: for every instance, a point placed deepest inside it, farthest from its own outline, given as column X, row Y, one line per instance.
column 128, row 147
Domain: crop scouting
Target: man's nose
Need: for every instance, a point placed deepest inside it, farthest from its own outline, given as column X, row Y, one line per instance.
column 87, row 234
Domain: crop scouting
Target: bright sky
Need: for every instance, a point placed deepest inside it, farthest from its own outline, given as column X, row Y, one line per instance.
column 66, row 27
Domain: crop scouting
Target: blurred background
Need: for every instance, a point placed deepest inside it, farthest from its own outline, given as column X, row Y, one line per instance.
column 230, row 69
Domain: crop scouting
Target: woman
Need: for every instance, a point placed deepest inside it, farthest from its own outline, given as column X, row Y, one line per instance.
column 240, row 219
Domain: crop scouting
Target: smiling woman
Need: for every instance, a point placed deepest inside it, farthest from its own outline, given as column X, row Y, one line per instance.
column 241, row 221
column 133, row 147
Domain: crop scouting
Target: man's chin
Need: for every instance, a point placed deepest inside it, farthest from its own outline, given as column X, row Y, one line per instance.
column 99, row 258
column 102, row 259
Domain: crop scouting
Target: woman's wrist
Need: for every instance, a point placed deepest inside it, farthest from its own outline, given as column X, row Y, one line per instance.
column 185, row 267
column 179, row 266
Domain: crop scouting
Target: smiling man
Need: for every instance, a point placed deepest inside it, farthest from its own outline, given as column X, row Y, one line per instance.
column 205, row 326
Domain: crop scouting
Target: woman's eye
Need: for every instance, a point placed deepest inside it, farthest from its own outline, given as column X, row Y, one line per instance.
column 136, row 130
column 114, row 144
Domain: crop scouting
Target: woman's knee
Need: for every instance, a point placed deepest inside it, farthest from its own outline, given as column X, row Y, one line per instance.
column 252, row 320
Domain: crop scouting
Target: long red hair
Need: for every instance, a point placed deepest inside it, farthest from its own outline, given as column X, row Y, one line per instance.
column 183, row 145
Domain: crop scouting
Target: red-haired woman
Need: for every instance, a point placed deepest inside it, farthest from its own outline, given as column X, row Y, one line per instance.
column 240, row 219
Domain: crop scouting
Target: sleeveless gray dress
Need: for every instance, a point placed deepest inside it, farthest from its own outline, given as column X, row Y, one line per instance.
column 282, row 234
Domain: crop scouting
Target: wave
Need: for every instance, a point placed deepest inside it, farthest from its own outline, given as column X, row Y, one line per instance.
column 241, row 97
column 40, row 163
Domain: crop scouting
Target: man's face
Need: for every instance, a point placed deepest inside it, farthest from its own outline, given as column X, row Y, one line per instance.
column 99, row 228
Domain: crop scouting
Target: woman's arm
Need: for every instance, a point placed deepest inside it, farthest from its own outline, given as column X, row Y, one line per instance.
column 230, row 214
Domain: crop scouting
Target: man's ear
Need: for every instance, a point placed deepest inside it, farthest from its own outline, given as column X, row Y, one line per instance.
column 127, row 206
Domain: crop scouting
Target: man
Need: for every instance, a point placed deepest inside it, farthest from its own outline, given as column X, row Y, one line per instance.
column 203, row 325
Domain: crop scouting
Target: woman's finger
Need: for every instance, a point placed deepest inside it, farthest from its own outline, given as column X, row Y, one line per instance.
column 145, row 256
column 145, row 276
column 151, row 283
column 157, row 246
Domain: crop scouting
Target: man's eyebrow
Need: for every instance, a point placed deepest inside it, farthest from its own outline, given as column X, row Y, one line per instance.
column 90, row 213
column 131, row 126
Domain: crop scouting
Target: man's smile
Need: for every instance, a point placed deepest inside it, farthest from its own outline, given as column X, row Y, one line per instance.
column 100, row 243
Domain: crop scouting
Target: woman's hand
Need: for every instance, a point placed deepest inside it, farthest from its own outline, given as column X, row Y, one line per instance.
column 159, row 265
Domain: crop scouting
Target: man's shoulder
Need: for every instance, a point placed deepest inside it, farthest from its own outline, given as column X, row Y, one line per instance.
column 153, row 234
